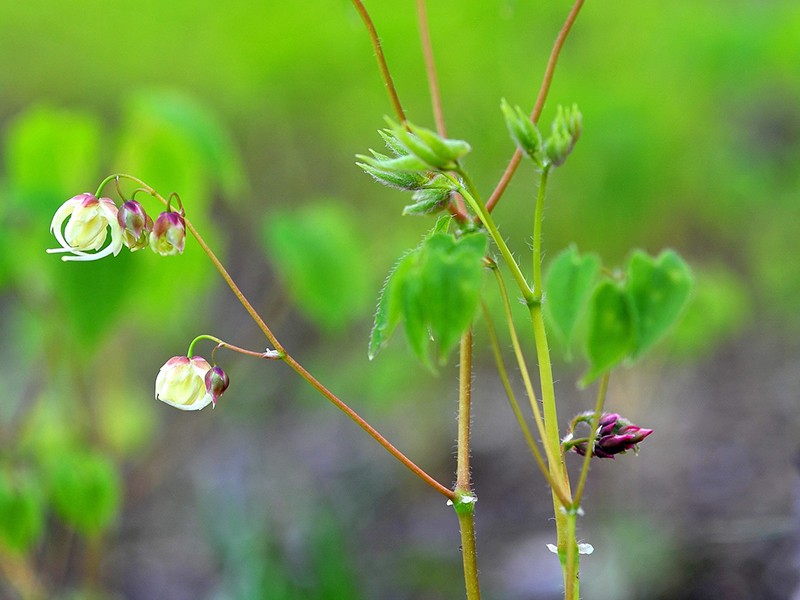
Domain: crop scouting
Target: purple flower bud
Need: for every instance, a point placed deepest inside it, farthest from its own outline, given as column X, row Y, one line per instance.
column 216, row 383
column 615, row 435
column 169, row 234
column 136, row 225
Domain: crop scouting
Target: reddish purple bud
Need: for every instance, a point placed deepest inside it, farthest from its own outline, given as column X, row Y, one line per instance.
column 136, row 225
column 216, row 383
column 615, row 435
column 169, row 234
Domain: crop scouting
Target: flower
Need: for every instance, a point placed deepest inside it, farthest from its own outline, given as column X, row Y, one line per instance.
column 615, row 435
column 181, row 383
column 90, row 219
column 216, row 383
column 136, row 225
column 169, row 234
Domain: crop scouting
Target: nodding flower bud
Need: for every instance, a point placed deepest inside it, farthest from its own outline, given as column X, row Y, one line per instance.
column 181, row 383
column 136, row 225
column 614, row 435
column 216, row 383
column 169, row 234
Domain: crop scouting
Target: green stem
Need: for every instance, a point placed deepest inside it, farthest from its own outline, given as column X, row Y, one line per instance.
column 572, row 558
column 552, row 459
column 537, row 235
column 598, row 411
column 466, row 525
column 470, row 194
column 464, row 501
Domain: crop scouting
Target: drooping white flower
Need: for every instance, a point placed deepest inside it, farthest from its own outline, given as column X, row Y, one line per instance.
column 88, row 221
column 181, row 383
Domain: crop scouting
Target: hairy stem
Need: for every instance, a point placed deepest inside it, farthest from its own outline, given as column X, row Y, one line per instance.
column 544, row 89
column 463, row 479
column 464, row 502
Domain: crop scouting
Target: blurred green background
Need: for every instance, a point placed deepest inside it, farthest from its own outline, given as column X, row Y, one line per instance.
column 253, row 112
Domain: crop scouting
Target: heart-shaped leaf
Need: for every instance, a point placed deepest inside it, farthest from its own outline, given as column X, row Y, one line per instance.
column 659, row 289
column 612, row 333
column 568, row 286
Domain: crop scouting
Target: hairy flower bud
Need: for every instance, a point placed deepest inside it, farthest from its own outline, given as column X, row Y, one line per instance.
column 90, row 221
column 169, row 234
column 136, row 225
column 181, row 383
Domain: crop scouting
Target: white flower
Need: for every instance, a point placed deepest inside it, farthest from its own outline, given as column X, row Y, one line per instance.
column 181, row 383
column 90, row 219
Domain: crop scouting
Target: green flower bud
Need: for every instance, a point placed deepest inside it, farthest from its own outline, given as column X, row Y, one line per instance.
column 566, row 130
column 523, row 131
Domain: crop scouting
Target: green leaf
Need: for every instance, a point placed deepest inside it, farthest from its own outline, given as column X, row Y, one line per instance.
column 450, row 276
column 659, row 289
column 318, row 252
column 612, row 332
column 84, row 490
column 568, row 286
column 389, row 310
column 434, row 290
column 21, row 511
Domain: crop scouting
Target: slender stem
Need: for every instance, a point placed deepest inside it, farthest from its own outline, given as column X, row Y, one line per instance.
column 235, row 289
column 464, row 501
column 571, row 566
column 466, row 525
column 598, row 411
column 544, row 89
column 512, row 400
column 281, row 353
column 470, row 194
column 463, row 480
column 552, row 457
column 300, row 370
column 430, row 67
column 384, row 68
column 537, row 235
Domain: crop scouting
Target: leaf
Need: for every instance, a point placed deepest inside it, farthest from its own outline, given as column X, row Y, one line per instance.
column 434, row 290
column 318, row 252
column 611, row 334
column 451, row 276
column 568, row 286
column 389, row 310
column 21, row 511
column 659, row 289
column 85, row 490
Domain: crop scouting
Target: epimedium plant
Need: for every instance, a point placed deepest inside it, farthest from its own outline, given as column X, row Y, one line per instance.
column 436, row 292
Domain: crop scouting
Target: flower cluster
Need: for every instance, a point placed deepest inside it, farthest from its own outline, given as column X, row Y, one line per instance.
column 190, row 383
column 84, row 224
column 615, row 435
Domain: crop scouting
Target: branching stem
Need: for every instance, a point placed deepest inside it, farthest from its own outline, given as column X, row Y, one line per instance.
column 544, row 89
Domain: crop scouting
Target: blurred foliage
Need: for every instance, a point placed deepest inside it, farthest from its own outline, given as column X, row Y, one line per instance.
column 252, row 112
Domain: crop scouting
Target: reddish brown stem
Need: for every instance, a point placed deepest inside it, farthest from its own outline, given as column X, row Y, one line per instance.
column 540, row 100
column 384, row 68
